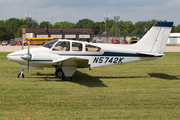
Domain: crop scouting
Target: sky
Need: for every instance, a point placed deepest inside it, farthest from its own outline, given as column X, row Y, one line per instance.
column 96, row 10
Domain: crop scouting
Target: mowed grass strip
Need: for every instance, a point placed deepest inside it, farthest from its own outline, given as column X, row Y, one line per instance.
column 141, row 90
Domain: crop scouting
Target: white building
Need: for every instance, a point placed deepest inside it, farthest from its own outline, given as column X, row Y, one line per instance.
column 174, row 38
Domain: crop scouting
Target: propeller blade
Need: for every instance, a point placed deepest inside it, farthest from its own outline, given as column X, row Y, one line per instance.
column 28, row 54
column 28, row 46
column 28, row 66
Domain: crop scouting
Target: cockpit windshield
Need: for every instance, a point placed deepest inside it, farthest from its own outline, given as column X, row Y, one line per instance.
column 50, row 43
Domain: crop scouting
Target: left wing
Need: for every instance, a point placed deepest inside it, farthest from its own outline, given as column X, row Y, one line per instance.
column 80, row 62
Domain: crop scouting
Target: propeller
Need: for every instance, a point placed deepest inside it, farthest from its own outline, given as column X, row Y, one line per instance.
column 27, row 56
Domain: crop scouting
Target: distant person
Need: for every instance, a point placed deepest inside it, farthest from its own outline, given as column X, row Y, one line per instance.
column 63, row 46
column 80, row 47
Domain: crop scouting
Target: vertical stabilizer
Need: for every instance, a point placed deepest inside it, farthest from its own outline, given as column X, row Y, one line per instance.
column 154, row 41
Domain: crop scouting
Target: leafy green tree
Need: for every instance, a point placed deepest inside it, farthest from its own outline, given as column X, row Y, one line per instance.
column 98, row 28
column 110, row 24
column 30, row 23
column 143, row 26
column 140, row 27
column 64, row 24
column 13, row 24
column 101, row 27
column 173, row 29
column 86, row 23
column 112, row 30
column 4, row 32
column 149, row 24
column 45, row 24
column 19, row 31
column 126, row 27
column 177, row 29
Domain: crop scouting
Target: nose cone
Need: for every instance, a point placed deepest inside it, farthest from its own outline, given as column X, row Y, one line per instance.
column 15, row 57
column 9, row 56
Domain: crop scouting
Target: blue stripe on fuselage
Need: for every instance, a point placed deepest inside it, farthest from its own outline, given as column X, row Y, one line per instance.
column 110, row 54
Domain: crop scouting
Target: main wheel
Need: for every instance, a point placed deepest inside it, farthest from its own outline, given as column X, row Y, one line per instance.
column 20, row 75
column 59, row 73
column 25, row 44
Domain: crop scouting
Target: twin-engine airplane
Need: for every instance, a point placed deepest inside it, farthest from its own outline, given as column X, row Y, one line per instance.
column 68, row 55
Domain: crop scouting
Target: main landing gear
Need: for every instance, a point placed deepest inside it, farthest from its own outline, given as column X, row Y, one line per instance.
column 59, row 73
column 67, row 76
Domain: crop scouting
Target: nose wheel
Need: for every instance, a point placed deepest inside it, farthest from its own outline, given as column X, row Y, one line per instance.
column 21, row 75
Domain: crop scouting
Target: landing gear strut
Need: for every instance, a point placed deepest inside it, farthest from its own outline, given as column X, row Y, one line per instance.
column 21, row 75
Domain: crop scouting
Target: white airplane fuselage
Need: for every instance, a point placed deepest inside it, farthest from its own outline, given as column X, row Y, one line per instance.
column 109, row 54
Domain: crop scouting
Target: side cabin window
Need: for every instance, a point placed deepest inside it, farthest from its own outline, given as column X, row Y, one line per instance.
column 92, row 48
column 62, row 46
column 76, row 46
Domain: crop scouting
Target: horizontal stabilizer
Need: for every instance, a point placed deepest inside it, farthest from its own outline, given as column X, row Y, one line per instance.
column 150, row 54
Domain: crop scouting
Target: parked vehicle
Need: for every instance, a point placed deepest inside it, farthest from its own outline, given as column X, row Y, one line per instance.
column 133, row 40
column 115, row 41
column 4, row 43
column 19, row 43
column 12, row 43
column 93, row 41
column 97, row 41
column 124, row 42
column 37, row 41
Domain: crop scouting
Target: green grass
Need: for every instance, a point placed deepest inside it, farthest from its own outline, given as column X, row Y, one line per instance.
column 172, row 45
column 141, row 90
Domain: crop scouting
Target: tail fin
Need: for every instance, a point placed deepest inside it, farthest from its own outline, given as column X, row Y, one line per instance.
column 154, row 41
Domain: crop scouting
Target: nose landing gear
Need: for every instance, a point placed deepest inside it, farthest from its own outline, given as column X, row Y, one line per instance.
column 21, row 75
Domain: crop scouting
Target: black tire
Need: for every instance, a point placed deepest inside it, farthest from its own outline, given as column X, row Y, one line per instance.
column 25, row 44
column 59, row 73
column 20, row 76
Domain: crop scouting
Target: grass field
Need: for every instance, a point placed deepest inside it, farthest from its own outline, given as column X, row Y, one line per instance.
column 141, row 90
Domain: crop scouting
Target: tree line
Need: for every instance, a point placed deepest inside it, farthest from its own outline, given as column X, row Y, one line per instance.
column 12, row 28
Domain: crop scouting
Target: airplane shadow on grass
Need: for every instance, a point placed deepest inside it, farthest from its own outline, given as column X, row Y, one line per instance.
column 83, row 79
column 78, row 77
column 163, row 76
